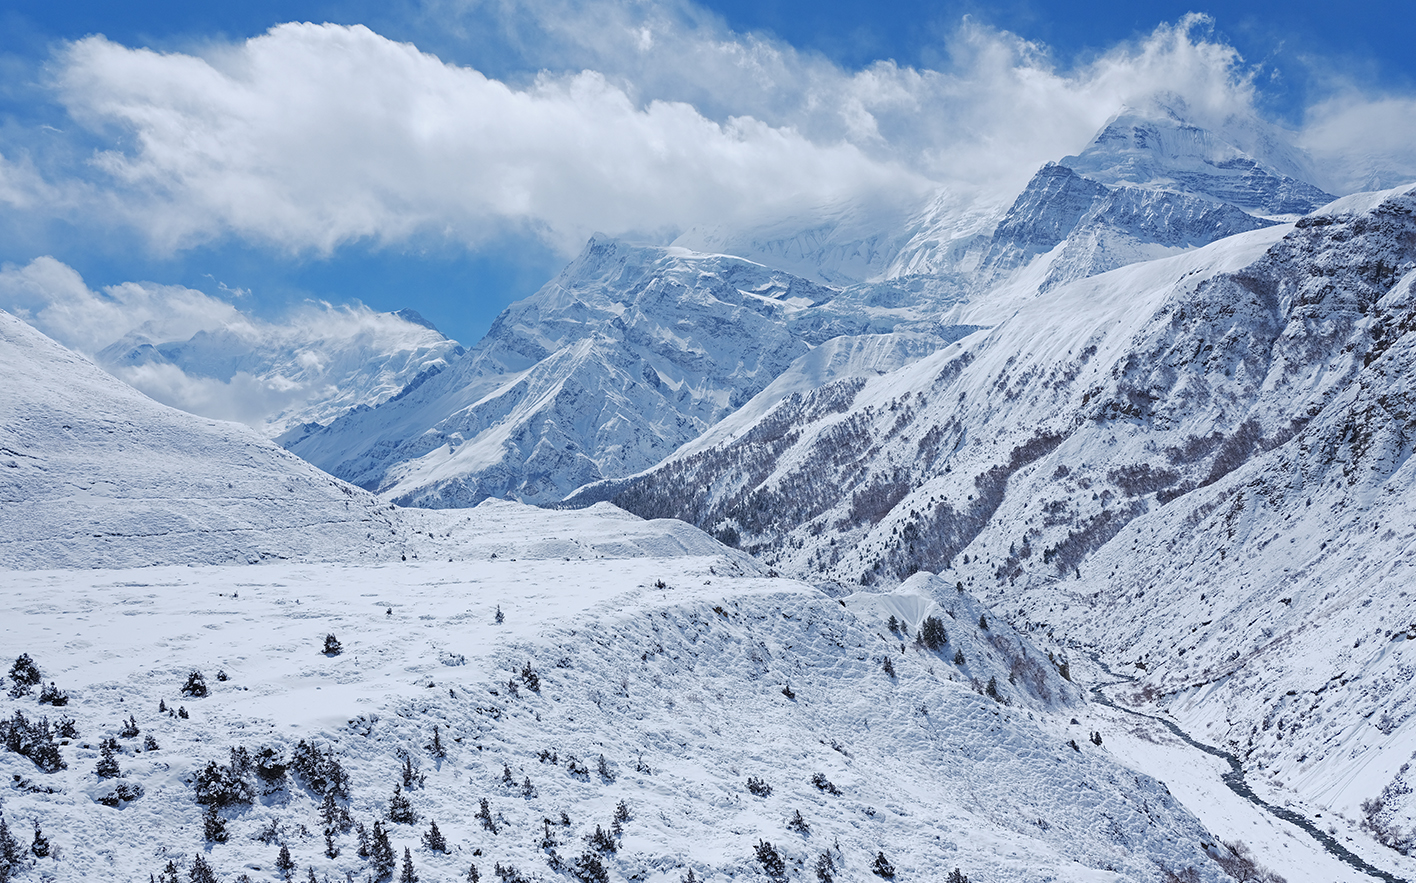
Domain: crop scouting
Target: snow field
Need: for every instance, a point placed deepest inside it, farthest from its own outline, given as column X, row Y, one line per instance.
column 679, row 688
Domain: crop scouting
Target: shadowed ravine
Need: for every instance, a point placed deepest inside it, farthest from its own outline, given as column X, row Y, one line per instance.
column 1235, row 780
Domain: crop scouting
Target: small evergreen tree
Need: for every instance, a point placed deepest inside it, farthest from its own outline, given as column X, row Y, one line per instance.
column 361, row 836
column 957, row 876
column 24, row 676
column 591, row 869
column 888, row 666
column 622, row 812
column 1096, row 738
column 107, row 764
column 881, row 867
column 400, row 808
column 284, row 864
column 10, row 854
column 40, row 845
column 331, row 850
column 182, row 712
column 162, row 705
column 484, row 815
column 130, row 728
column 604, row 769
column 213, row 825
column 958, row 657
column 201, row 872
column 499, row 616
column 991, row 691
column 894, row 624
column 771, row 860
column 149, row 743
column 412, row 776
column 381, row 854
column 983, row 622
column 332, row 647
column 196, row 686
column 408, row 875
column 825, row 868
column 473, row 875
column 758, row 787
column 798, row 823
column 434, row 840
column 437, row 748
column 530, row 678
column 932, row 633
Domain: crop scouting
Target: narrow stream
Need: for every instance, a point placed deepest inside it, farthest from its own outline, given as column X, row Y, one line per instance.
column 1235, row 780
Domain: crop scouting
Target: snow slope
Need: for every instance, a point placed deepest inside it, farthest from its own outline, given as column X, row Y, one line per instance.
column 95, row 474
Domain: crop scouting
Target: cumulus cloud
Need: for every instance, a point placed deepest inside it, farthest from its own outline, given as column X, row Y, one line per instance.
column 310, row 136
column 204, row 355
column 632, row 117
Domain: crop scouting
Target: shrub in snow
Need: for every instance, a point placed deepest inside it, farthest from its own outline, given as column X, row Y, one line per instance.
column 823, row 784
column 825, row 868
column 590, row 869
column 508, row 873
column 771, row 860
column 40, row 845
column 221, row 675
column 1236, row 860
column 881, row 867
column 798, row 823
column 332, row 647
column 331, row 850
column 182, row 712
column 24, row 676
column 149, row 743
column 758, row 787
column 196, row 686
column 958, row 657
column 888, row 666
column 576, row 768
column 222, row 786
column 622, row 812
column 603, row 767
column 983, row 622
column 530, row 678
column 600, row 841
column 436, row 748
column 991, row 691
column 472, row 875
column 34, row 740
column 957, row 876
column 10, row 855
column 499, row 616
column 67, row 728
column 120, row 793
column 130, row 728
column 270, row 766
column 319, row 769
column 52, row 695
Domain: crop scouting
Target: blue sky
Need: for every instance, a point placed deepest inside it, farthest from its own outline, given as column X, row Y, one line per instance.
column 738, row 136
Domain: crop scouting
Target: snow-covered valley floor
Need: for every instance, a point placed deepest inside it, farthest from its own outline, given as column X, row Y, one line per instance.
column 673, row 667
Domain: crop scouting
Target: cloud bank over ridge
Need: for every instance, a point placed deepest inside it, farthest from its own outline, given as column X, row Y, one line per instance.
column 310, row 136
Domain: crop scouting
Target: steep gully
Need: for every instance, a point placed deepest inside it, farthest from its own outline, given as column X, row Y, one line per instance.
column 1235, row 780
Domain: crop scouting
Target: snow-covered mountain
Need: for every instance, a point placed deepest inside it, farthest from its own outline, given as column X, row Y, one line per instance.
column 1200, row 464
column 292, row 375
column 634, row 351
column 629, row 353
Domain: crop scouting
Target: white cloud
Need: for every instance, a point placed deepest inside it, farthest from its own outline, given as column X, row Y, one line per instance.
column 52, row 296
column 647, row 118
column 1362, row 142
column 315, row 362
